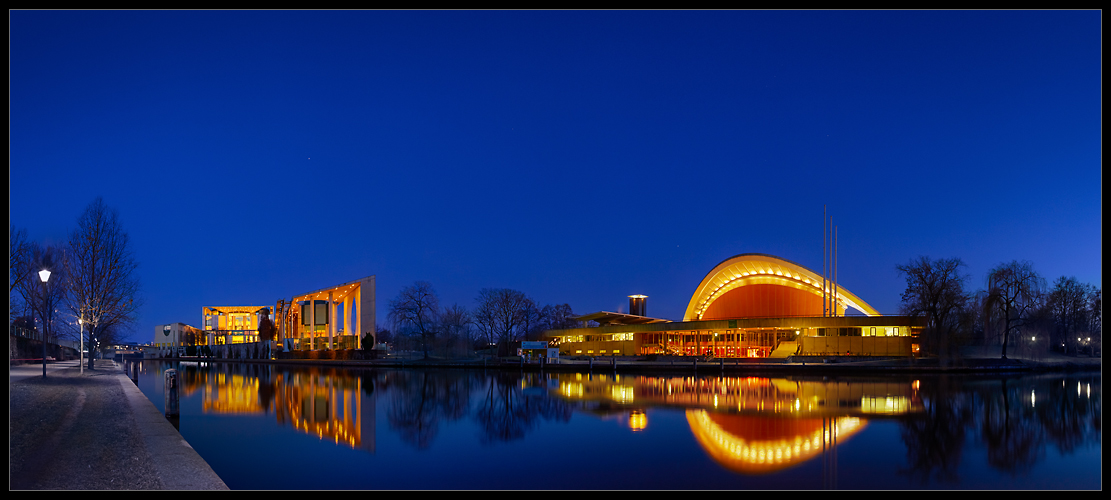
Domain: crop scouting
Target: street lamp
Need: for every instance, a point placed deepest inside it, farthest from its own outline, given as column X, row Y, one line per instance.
column 81, row 353
column 44, row 275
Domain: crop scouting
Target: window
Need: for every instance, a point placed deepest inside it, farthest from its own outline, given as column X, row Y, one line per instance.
column 873, row 331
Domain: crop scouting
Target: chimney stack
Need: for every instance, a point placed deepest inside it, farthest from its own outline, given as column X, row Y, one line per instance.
column 638, row 305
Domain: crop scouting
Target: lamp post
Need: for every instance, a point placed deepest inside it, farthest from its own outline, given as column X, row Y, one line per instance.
column 44, row 275
column 81, row 336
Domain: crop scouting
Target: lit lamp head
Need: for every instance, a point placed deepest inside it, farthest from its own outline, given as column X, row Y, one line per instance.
column 44, row 275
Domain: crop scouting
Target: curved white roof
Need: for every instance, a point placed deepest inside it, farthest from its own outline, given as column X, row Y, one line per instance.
column 758, row 268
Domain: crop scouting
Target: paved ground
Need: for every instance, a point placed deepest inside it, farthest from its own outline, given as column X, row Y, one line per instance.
column 94, row 432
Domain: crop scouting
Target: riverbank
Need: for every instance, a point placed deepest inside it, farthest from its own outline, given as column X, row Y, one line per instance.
column 971, row 362
column 94, row 431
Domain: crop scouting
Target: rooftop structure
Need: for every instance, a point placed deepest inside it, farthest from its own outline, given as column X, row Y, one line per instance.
column 750, row 305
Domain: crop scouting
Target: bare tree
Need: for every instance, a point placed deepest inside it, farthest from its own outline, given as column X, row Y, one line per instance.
column 416, row 312
column 455, row 324
column 1095, row 318
column 103, row 285
column 935, row 289
column 499, row 315
column 532, row 320
column 559, row 317
column 1068, row 305
column 1014, row 292
column 43, row 299
column 384, row 335
column 19, row 268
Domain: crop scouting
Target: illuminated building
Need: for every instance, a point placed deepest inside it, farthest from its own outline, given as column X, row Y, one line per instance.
column 337, row 317
column 754, row 306
column 231, row 324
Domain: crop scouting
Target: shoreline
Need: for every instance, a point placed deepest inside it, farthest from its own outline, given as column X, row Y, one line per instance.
column 720, row 365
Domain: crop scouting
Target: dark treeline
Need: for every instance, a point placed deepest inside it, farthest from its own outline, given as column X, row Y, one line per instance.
column 1015, row 310
column 499, row 317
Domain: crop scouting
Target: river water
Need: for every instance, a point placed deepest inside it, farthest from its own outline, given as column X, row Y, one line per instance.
column 275, row 427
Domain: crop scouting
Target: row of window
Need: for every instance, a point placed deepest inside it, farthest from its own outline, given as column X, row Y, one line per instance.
column 729, row 336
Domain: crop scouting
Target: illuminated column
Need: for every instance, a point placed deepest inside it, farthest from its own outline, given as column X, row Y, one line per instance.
column 347, row 317
column 331, row 322
column 312, row 324
column 359, row 313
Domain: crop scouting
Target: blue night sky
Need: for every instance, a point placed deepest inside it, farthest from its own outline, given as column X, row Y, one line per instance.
column 576, row 156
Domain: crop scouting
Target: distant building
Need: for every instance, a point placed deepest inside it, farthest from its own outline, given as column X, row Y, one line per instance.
column 749, row 306
column 175, row 335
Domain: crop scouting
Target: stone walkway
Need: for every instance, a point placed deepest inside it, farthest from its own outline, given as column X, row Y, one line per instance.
column 95, row 431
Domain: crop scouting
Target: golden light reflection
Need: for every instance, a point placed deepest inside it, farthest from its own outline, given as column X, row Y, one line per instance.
column 767, row 423
column 638, row 420
column 324, row 406
column 886, row 405
column 748, row 445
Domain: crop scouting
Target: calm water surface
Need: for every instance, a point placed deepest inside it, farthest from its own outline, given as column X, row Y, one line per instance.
column 268, row 427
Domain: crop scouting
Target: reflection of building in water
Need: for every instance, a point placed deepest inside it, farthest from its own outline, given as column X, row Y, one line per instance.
column 231, row 394
column 744, row 394
column 756, row 445
column 751, row 424
column 330, row 407
column 749, row 306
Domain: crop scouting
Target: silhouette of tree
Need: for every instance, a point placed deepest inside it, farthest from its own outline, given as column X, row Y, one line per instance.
column 559, row 317
column 103, row 284
column 935, row 290
column 455, row 326
column 416, row 312
column 1068, row 305
column 1095, row 318
column 43, row 300
column 1014, row 291
column 500, row 315
column 19, row 268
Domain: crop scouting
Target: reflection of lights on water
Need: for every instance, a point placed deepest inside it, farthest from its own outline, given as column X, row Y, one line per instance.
column 1031, row 398
column 885, row 405
column 622, row 394
column 778, row 452
column 638, row 420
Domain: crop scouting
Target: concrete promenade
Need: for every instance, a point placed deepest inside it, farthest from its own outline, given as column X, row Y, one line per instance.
column 95, row 431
